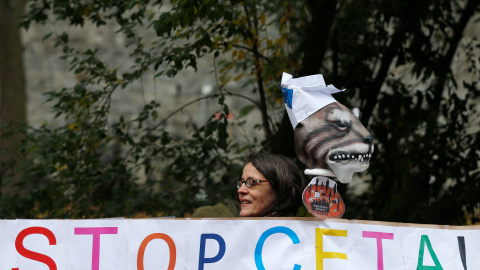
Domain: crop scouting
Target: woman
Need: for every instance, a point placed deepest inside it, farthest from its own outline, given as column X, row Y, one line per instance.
column 271, row 186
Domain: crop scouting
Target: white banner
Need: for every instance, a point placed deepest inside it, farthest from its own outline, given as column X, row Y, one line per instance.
column 267, row 243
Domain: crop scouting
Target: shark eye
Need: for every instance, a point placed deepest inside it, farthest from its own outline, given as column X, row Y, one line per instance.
column 340, row 119
column 342, row 126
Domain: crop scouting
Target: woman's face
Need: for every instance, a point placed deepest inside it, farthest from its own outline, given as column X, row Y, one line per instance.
column 256, row 200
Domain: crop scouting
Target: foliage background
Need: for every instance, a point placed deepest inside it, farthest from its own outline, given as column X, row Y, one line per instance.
column 399, row 60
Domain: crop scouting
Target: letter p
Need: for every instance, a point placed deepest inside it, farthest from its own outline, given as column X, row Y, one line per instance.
column 203, row 238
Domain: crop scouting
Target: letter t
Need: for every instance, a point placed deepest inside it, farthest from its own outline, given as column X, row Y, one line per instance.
column 96, row 232
column 379, row 236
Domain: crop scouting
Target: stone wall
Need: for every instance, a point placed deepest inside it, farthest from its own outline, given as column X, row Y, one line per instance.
column 45, row 71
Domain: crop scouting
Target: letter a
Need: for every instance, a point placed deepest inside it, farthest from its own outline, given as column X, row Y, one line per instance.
column 425, row 241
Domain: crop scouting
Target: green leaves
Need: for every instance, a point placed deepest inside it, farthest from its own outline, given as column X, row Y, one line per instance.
column 394, row 57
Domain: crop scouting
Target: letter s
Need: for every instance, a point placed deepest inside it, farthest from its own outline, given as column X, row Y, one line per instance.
column 34, row 255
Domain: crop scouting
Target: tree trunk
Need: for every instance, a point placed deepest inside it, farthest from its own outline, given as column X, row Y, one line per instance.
column 317, row 36
column 12, row 85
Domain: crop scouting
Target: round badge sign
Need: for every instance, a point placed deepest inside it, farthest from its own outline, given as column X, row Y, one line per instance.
column 322, row 199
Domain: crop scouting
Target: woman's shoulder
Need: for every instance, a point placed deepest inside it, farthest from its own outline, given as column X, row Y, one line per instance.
column 219, row 210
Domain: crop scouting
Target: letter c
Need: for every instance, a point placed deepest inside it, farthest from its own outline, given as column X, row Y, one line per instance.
column 171, row 247
column 265, row 235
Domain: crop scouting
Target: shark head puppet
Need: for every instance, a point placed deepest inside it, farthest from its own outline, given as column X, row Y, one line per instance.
column 330, row 140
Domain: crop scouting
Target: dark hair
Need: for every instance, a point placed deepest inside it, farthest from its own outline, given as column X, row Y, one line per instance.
column 286, row 179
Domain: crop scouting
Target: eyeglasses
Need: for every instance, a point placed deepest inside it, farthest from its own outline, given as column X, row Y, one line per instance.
column 249, row 182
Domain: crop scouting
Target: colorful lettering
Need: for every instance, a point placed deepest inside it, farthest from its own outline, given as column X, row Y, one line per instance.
column 171, row 247
column 321, row 255
column 34, row 255
column 461, row 247
column 96, row 232
column 265, row 235
column 379, row 236
column 202, row 260
column 426, row 241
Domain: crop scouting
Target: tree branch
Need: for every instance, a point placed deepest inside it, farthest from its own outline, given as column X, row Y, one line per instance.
column 387, row 59
column 259, row 76
column 446, row 61
column 250, row 50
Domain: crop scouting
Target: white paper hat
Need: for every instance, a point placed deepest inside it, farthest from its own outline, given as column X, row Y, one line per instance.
column 305, row 95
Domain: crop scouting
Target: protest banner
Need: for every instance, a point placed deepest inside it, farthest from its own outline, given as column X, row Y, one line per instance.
column 260, row 243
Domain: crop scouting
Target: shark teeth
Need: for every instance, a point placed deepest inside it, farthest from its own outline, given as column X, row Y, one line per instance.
column 340, row 156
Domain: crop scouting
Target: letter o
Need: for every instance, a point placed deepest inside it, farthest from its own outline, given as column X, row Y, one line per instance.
column 171, row 247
